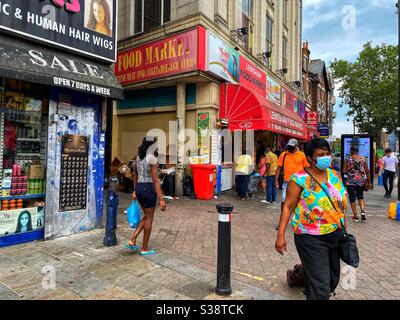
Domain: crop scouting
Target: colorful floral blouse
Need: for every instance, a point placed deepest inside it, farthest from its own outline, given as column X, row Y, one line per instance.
column 314, row 213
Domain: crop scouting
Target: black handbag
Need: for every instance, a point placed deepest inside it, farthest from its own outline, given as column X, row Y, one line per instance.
column 347, row 247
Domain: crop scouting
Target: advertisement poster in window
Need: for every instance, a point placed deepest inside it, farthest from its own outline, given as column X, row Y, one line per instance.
column 203, row 133
column 21, row 220
column 289, row 101
column 88, row 27
column 273, row 91
column 223, row 60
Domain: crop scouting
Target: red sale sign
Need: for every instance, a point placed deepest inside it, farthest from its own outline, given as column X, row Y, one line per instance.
column 252, row 77
column 312, row 119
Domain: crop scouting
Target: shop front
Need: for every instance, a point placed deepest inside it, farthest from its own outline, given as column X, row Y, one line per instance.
column 53, row 107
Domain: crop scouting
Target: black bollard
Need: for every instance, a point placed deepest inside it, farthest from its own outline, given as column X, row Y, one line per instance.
column 224, row 250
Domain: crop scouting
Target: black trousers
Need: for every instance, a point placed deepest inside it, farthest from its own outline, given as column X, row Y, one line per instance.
column 388, row 175
column 321, row 263
column 242, row 182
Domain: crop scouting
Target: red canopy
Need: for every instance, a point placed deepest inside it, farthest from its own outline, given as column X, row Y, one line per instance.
column 245, row 110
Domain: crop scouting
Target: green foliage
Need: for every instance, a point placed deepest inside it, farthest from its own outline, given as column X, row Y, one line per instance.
column 369, row 87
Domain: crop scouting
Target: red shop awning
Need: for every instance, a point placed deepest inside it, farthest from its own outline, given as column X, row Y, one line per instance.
column 245, row 110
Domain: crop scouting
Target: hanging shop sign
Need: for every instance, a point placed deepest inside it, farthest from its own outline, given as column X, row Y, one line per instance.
column 222, row 59
column 252, row 77
column 302, row 109
column 273, row 91
column 324, row 131
column 290, row 101
column 312, row 119
column 170, row 56
column 74, row 172
column 87, row 27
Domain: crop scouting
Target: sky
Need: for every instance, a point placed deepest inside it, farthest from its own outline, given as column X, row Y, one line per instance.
column 338, row 29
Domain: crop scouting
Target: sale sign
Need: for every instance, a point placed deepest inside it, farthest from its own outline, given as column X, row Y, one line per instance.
column 312, row 119
column 252, row 77
column 170, row 56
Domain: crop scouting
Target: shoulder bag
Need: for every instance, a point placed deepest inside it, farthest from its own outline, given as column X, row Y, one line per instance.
column 347, row 247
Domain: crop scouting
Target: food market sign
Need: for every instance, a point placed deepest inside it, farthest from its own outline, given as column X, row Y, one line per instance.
column 84, row 26
column 167, row 57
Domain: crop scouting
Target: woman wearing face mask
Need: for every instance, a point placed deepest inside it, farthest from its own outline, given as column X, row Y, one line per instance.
column 317, row 221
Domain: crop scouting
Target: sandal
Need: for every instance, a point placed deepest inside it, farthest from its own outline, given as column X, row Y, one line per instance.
column 134, row 248
column 354, row 219
column 151, row 251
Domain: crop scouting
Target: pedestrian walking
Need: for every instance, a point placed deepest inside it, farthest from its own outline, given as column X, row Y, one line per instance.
column 262, row 169
column 389, row 163
column 242, row 170
column 290, row 162
column 271, row 165
column 318, row 199
column 358, row 180
column 147, row 190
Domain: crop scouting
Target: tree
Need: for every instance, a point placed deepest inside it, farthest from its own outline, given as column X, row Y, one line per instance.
column 369, row 87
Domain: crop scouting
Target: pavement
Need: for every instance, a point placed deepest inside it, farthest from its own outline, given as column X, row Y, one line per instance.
column 80, row 267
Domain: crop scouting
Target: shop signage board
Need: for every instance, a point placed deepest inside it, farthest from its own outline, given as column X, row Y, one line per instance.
column 21, row 220
column 31, row 62
column 252, row 77
column 273, row 91
column 302, row 109
column 323, row 131
column 74, row 172
column 170, row 56
column 312, row 119
column 81, row 26
column 222, row 59
column 290, row 101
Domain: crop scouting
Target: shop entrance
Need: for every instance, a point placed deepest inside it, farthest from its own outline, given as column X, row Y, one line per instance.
column 72, row 163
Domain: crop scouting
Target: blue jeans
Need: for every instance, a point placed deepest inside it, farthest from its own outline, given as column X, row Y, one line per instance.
column 112, row 203
column 271, row 189
column 241, row 185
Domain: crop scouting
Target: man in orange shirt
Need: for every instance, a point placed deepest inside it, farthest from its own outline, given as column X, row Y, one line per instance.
column 291, row 161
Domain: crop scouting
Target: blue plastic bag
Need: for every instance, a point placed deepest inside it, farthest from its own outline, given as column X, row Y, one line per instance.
column 133, row 214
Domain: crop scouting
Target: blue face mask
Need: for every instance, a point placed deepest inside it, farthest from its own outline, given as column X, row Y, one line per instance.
column 324, row 163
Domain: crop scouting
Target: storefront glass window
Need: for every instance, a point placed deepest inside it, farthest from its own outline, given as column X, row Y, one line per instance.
column 23, row 135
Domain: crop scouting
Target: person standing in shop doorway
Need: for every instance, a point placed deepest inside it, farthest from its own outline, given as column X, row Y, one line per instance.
column 271, row 165
column 243, row 170
column 291, row 161
column 358, row 180
column 389, row 163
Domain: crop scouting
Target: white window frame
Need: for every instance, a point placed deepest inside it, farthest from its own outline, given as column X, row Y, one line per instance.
column 134, row 17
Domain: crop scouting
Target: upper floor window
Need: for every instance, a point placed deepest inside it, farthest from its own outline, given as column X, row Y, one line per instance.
column 284, row 52
column 246, row 17
column 150, row 14
column 268, row 38
column 285, row 12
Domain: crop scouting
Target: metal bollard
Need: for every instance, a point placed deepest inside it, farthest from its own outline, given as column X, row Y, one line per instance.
column 112, row 202
column 224, row 250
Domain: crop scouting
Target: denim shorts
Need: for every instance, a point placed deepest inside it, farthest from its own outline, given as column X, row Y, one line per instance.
column 146, row 195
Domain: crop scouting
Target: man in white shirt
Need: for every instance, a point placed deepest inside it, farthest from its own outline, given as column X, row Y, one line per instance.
column 389, row 171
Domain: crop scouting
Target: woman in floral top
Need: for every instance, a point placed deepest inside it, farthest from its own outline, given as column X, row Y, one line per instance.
column 316, row 223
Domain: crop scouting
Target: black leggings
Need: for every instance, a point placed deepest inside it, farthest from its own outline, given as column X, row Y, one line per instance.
column 321, row 263
column 388, row 175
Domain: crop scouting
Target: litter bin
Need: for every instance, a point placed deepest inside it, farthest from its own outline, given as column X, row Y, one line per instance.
column 203, row 180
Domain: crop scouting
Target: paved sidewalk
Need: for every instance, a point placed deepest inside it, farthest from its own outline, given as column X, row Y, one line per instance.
column 84, row 269
column 185, row 267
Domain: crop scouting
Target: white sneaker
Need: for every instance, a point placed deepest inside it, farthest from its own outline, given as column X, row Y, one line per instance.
column 264, row 201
